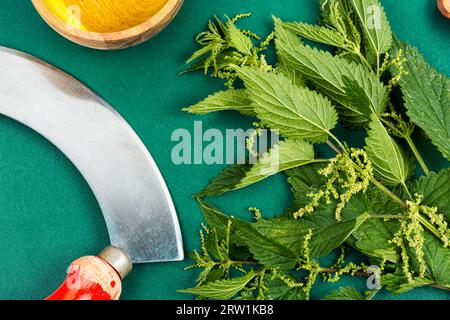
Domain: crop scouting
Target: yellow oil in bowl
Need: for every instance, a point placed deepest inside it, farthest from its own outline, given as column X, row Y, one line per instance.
column 104, row 16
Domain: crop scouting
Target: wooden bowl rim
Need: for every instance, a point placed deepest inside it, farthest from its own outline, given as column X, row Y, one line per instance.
column 107, row 37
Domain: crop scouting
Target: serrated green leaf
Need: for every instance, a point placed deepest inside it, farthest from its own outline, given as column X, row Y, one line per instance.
column 328, row 233
column 398, row 284
column 338, row 78
column 437, row 260
column 239, row 40
column 435, row 189
column 212, row 244
column 296, row 112
column 286, row 155
column 225, row 181
column 366, row 92
column 290, row 40
column 199, row 53
column 285, row 36
column 231, row 99
column 266, row 250
column 214, row 217
column 345, row 293
column 427, row 97
column 222, row 289
column 375, row 27
column 204, row 64
column 316, row 33
column 390, row 162
column 278, row 290
column 302, row 179
column 373, row 238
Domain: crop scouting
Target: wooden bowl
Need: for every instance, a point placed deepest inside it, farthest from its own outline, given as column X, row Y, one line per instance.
column 110, row 40
column 444, row 7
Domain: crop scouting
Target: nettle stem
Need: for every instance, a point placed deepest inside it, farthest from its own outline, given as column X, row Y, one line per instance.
column 417, row 154
column 363, row 60
column 409, row 141
column 333, row 146
column 335, row 270
column 388, row 216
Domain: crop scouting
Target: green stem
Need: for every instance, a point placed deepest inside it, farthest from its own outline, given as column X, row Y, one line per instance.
column 388, row 216
column 337, row 141
column 427, row 224
column 394, row 197
column 388, row 192
column 363, row 60
column 411, row 144
column 335, row 270
column 417, row 154
column 407, row 190
column 244, row 262
column 333, row 146
column 378, row 65
column 439, row 286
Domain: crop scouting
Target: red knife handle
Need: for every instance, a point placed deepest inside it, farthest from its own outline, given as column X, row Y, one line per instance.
column 95, row 278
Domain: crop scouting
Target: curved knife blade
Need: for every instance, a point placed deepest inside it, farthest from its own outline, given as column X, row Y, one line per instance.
column 132, row 194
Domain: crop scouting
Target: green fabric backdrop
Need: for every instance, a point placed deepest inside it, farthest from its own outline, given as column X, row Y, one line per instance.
column 49, row 216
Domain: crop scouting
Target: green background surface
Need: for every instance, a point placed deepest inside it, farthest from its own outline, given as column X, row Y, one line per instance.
column 49, row 216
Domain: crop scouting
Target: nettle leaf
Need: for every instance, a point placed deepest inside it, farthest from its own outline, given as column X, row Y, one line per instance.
column 437, row 260
column 291, row 40
column 215, row 218
column 328, row 233
column 231, row 99
column 278, row 290
column 286, row 155
column 316, row 33
column 375, row 27
column 302, row 179
column 364, row 92
column 225, row 181
column 435, row 189
column 427, row 97
column 391, row 164
column 339, row 79
column 345, row 293
column 398, row 284
column 296, row 112
column 373, row 237
column 265, row 249
column 222, row 289
column 340, row 16
column 238, row 39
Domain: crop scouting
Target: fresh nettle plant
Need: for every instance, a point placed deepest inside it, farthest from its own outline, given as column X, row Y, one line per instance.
column 366, row 199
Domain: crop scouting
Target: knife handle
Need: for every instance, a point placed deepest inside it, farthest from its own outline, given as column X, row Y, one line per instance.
column 95, row 277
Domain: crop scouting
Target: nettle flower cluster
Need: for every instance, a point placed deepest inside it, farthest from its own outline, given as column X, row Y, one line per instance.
column 369, row 199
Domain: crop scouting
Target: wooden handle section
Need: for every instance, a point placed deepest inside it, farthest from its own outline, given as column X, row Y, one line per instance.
column 95, row 278
column 89, row 278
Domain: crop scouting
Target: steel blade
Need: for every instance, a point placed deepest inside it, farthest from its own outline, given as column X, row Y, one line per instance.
column 132, row 194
